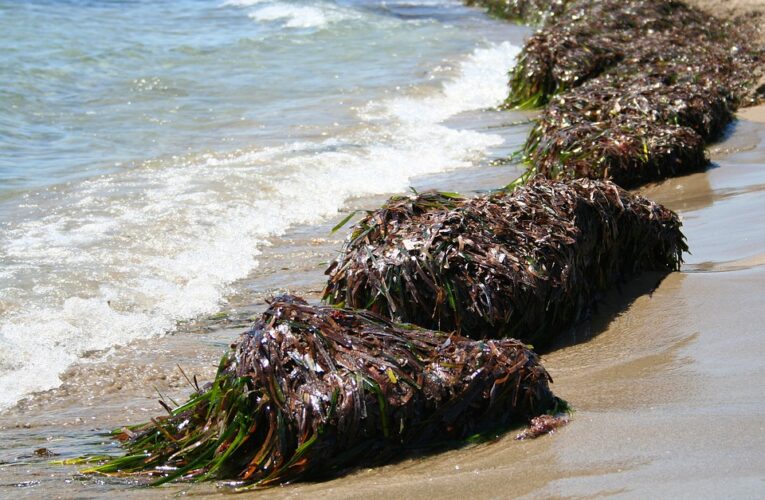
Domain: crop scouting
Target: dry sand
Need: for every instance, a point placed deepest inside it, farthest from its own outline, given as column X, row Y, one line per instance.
column 730, row 7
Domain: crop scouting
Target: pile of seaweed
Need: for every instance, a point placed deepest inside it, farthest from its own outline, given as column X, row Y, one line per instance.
column 309, row 391
column 525, row 264
column 634, row 89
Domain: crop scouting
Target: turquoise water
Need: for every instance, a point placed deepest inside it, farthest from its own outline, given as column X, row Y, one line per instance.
column 148, row 149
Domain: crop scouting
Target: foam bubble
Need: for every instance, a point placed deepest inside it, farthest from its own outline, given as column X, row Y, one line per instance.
column 479, row 86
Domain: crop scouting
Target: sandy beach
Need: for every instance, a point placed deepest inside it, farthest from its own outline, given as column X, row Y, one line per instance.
column 665, row 378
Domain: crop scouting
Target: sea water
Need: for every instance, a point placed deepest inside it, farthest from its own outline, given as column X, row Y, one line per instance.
column 150, row 149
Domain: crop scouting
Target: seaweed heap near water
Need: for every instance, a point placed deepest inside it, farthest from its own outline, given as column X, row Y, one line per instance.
column 309, row 391
column 525, row 264
column 634, row 89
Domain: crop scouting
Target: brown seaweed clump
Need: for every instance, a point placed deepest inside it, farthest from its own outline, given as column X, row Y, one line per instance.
column 526, row 11
column 525, row 264
column 634, row 89
column 310, row 391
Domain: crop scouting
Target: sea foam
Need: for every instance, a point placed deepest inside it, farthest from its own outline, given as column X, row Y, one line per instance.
column 301, row 16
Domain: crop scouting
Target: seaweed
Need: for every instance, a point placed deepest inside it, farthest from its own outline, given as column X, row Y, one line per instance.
column 633, row 89
column 309, row 391
column 527, row 11
column 525, row 264
column 591, row 36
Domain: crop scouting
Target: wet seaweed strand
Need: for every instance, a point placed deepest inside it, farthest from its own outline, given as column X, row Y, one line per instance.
column 310, row 391
column 525, row 264
column 634, row 89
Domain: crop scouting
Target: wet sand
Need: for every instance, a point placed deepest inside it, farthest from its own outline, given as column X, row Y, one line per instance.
column 753, row 114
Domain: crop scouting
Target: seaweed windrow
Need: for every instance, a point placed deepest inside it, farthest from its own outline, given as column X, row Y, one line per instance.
column 525, row 264
column 310, row 391
column 634, row 89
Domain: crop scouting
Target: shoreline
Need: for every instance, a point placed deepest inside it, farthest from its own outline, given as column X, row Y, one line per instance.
column 98, row 396
column 650, row 358
column 616, row 357
column 129, row 254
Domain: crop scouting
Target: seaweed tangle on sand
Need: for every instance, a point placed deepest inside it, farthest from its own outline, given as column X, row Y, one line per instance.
column 634, row 88
column 310, row 391
column 524, row 264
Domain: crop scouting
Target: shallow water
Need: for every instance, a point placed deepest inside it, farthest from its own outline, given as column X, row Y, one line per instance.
column 152, row 150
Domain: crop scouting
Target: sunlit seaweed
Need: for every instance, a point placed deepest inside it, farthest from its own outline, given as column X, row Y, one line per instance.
column 526, row 11
column 310, row 391
column 525, row 264
column 634, row 89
